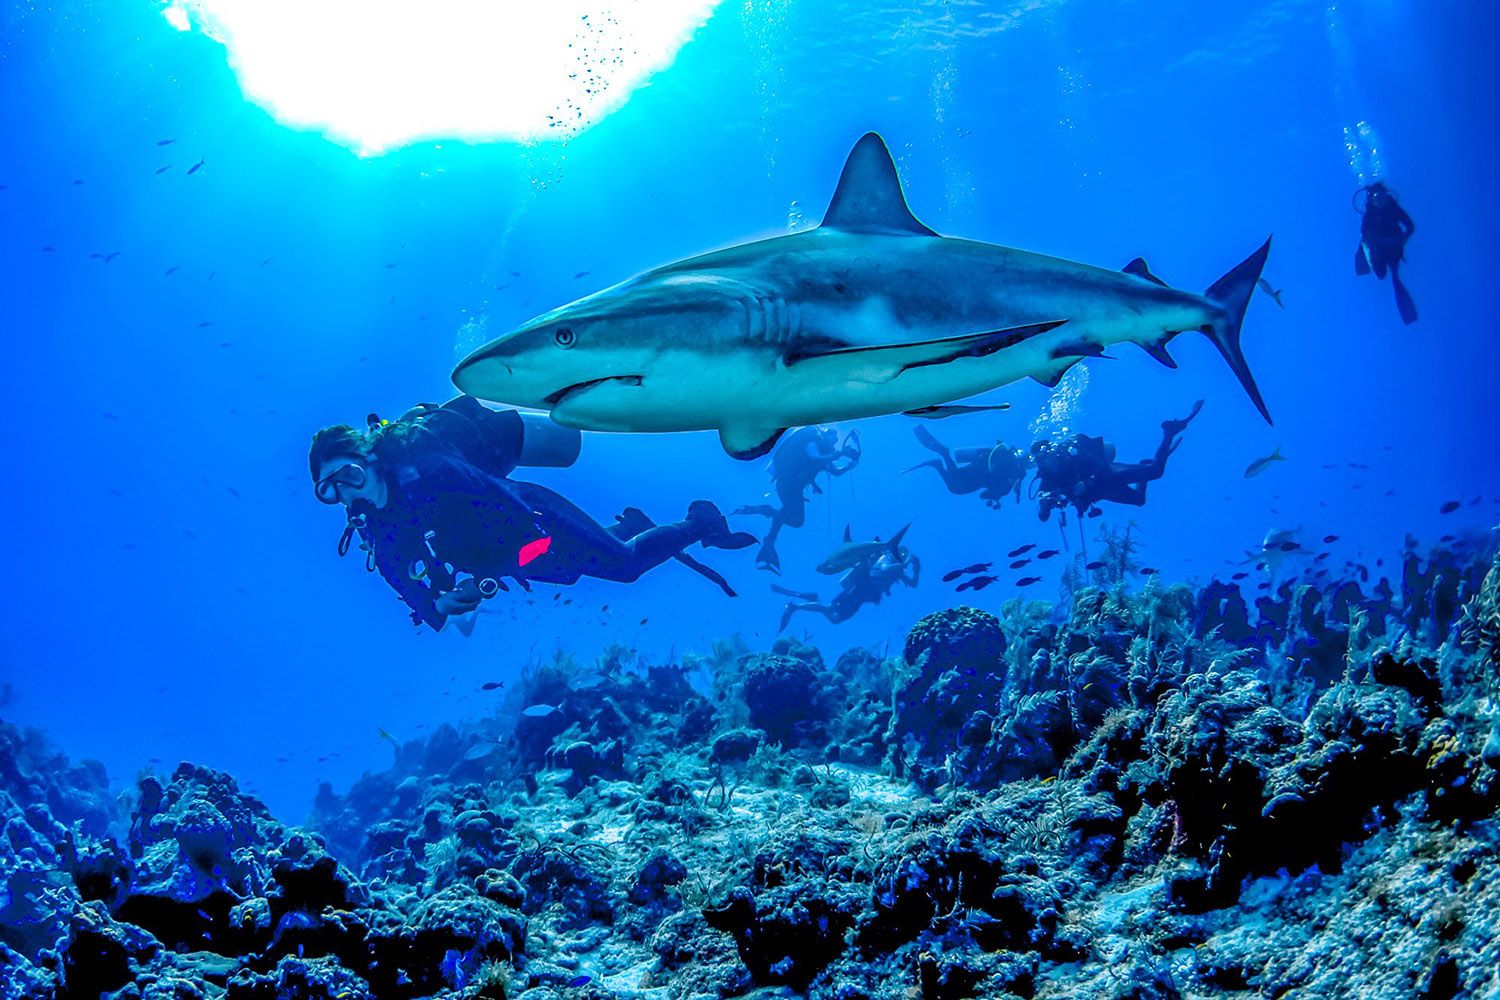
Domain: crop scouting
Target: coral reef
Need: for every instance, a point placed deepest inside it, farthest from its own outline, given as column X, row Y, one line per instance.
column 1161, row 792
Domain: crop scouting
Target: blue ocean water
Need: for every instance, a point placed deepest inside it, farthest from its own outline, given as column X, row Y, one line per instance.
column 173, row 591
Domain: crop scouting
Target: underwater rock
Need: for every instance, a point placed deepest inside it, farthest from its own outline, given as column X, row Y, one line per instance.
column 780, row 693
column 957, row 656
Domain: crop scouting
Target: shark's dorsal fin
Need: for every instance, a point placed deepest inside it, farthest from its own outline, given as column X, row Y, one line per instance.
column 848, row 535
column 1138, row 268
column 868, row 198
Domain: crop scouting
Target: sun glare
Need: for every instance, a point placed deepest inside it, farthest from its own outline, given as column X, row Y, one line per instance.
column 378, row 74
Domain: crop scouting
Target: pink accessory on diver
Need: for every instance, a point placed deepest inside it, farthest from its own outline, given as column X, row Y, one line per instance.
column 533, row 549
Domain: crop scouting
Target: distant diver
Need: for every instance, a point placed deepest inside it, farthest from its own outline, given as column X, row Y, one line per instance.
column 802, row 456
column 1383, row 232
column 430, row 498
column 1081, row 472
column 868, row 582
column 992, row 471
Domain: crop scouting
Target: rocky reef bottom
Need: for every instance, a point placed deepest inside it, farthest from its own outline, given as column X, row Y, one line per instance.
column 1146, row 793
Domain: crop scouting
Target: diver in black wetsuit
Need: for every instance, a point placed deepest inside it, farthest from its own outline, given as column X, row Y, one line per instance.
column 994, row 472
column 868, row 582
column 430, row 498
column 1383, row 233
column 802, row 456
column 1081, row 472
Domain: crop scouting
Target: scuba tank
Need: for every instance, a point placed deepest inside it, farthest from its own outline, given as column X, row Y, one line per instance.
column 500, row 441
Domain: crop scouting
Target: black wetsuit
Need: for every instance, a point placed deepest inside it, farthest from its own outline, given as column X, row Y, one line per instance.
column 992, row 472
column 867, row 583
column 803, row 455
column 1081, row 472
column 446, row 517
column 1383, row 233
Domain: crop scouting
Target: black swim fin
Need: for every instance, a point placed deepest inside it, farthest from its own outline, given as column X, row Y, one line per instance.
column 1361, row 260
column 1404, row 303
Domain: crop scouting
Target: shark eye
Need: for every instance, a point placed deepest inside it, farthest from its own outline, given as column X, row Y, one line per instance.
column 565, row 337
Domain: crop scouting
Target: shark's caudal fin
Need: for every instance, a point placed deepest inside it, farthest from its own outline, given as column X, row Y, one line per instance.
column 1232, row 292
column 868, row 198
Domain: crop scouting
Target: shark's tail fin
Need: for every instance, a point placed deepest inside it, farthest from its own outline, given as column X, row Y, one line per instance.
column 1232, row 292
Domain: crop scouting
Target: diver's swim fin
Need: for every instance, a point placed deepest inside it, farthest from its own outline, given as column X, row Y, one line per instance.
column 1361, row 260
column 1404, row 303
column 927, row 440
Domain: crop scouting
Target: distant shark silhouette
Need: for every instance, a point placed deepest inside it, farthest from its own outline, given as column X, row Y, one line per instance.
column 870, row 313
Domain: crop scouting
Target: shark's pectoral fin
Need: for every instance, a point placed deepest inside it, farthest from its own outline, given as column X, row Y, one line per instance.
column 746, row 443
column 883, row 362
column 951, row 410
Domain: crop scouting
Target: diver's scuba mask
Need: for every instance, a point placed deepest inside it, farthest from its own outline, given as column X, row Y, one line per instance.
column 351, row 475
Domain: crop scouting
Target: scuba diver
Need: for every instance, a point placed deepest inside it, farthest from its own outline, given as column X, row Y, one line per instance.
column 994, row 472
column 1383, row 232
column 431, row 500
column 867, row 582
column 1081, row 472
column 803, row 455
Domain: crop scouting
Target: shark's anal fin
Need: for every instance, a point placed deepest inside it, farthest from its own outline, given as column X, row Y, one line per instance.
column 746, row 443
column 1138, row 268
column 883, row 362
column 868, row 198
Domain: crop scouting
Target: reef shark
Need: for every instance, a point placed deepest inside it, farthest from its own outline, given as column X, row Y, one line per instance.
column 870, row 313
column 851, row 553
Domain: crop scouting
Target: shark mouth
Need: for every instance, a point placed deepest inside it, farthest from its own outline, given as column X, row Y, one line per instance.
column 579, row 388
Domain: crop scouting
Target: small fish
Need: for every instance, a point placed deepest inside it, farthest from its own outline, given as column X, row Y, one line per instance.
column 976, row 583
column 234, row 492
column 1448, row 538
column 1027, row 581
column 1240, row 575
column 1289, row 546
column 1096, row 564
column 162, row 170
column 492, row 685
column 1020, row 551
column 197, row 166
column 1260, row 465
column 580, row 980
column 1148, row 571
column 165, row 142
column 110, row 416
column 389, row 267
column 1263, row 586
column 1019, row 563
column 171, row 270
column 587, row 682
column 1330, row 539
column 582, row 274
column 205, row 324
column 115, row 493
column 1359, row 465
column 1321, row 556
column 77, row 182
column 388, row 737
column 49, row 249
column 539, row 711
column 1449, row 507
column 645, row 620
column 1046, row 554
column 1095, row 512
column 480, row 751
column 266, row 261
column 1275, row 293
column 952, row 575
